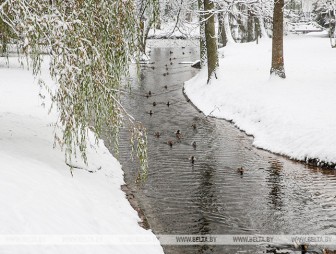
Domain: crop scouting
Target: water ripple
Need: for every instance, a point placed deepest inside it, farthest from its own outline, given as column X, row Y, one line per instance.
column 272, row 196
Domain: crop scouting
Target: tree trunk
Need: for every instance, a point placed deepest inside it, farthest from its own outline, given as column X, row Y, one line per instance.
column 242, row 31
column 144, row 31
column 263, row 32
column 221, row 29
column 228, row 33
column 250, row 27
column 257, row 29
column 210, row 38
column 202, row 33
column 277, row 40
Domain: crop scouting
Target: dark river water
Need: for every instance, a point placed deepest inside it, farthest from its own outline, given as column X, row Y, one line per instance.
column 273, row 196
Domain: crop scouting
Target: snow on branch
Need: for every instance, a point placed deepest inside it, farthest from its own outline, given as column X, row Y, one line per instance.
column 89, row 59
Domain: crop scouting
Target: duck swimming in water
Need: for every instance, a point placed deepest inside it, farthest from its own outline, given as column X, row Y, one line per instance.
column 178, row 134
column 192, row 159
column 149, row 94
column 241, row 170
column 327, row 251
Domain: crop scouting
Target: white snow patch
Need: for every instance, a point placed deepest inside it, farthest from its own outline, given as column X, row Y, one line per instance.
column 39, row 196
column 295, row 116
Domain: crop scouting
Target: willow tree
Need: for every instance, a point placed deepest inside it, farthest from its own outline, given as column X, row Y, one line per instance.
column 210, row 38
column 277, row 40
column 147, row 14
column 90, row 44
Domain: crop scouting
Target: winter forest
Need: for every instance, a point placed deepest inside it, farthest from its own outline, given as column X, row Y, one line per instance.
column 167, row 126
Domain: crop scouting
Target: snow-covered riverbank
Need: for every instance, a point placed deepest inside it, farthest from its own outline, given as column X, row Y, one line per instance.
column 294, row 117
column 38, row 195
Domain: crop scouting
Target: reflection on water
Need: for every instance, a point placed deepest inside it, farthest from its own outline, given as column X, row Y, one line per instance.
column 273, row 196
column 275, row 180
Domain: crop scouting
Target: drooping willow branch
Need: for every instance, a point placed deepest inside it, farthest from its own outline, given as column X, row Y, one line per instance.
column 89, row 54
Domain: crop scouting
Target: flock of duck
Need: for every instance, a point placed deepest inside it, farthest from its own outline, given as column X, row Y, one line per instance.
column 178, row 133
column 179, row 136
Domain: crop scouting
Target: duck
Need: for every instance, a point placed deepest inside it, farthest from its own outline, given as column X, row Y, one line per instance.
column 150, row 93
column 170, row 143
column 153, row 67
column 150, row 112
column 304, row 248
column 171, row 52
column 168, row 103
column 130, row 195
column 154, row 103
column 157, row 134
column 327, row 251
column 194, row 144
column 166, row 87
column 178, row 134
column 241, row 170
column 194, row 126
column 192, row 159
column 164, row 74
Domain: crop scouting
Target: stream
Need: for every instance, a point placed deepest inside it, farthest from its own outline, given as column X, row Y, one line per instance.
column 274, row 195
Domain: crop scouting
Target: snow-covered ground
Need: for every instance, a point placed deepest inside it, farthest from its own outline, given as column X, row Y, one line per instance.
column 38, row 195
column 293, row 117
column 303, row 27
